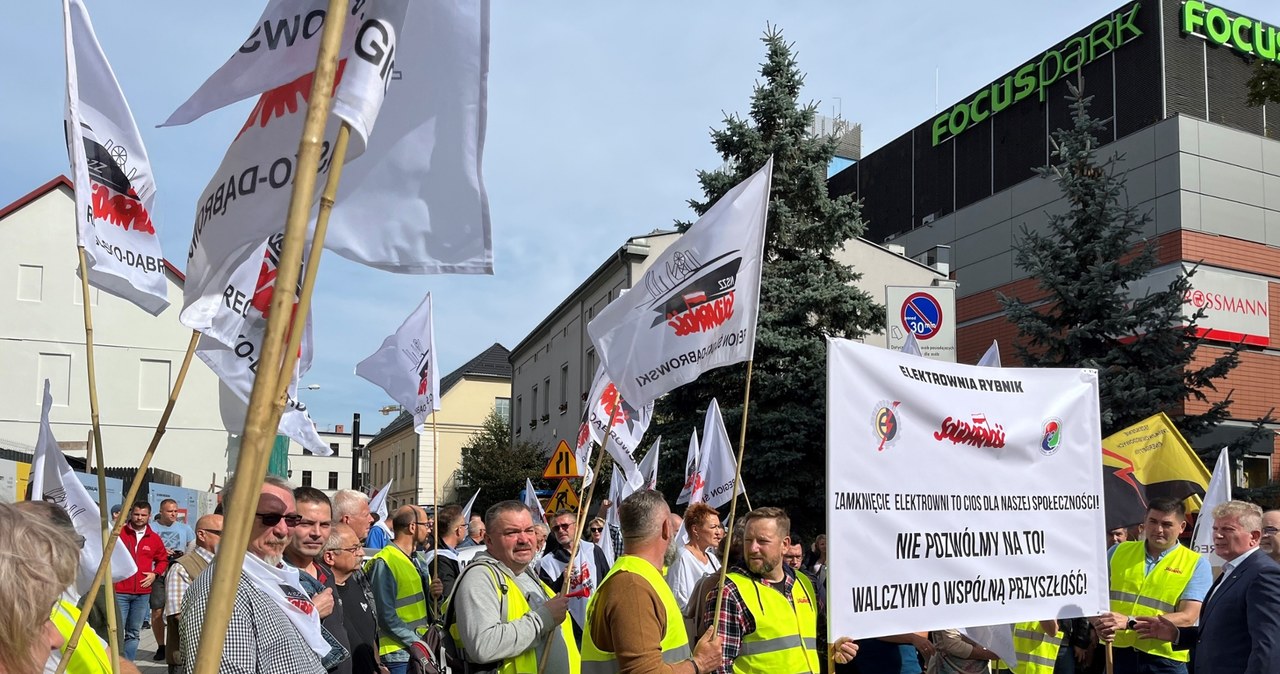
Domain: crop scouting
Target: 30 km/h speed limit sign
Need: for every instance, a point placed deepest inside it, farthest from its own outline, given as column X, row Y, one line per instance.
column 928, row 312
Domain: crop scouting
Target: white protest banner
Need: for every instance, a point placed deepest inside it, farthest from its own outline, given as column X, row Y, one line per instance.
column 992, row 357
column 532, row 503
column 1219, row 492
column 716, row 462
column 956, row 494
column 247, row 198
column 405, row 365
column 115, row 188
column 649, row 465
column 692, row 478
column 695, row 308
column 619, row 436
column 53, row 480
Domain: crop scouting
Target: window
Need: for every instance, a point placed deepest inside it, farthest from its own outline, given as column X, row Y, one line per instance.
column 533, row 406
column 404, row 465
column 306, row 478
column 502, row 406
column 153, row 384
column 31, row 283
column 546, row 398
column 56, row 367
column 333, row 479
column 518, row 417
column 334, row 446
column 564, row 388
column 591, row 364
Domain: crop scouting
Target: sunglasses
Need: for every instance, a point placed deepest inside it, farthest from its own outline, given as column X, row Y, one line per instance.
column 558, row 527
column 272, row 519
column 595, row 530
column 218, row 532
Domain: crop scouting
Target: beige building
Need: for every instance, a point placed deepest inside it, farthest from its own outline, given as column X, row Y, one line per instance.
column 137, row 355
column 402, row 455
column 883, row 266
column 552, row 367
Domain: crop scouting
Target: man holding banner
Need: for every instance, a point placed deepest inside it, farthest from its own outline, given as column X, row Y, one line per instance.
column 1153, row 577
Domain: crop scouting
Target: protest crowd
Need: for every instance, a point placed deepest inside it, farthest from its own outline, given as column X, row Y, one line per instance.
column 630, row 582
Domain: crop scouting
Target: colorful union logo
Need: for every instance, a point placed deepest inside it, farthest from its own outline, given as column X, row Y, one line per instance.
column 886, row 422
column 1051, row 438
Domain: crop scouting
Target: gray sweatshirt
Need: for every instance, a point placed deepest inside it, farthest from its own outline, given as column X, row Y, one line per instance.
column 486, row 635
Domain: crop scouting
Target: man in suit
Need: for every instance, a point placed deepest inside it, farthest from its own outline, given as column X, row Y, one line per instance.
column 1239, row 631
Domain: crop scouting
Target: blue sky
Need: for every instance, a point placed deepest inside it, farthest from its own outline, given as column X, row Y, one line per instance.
column 598, row 120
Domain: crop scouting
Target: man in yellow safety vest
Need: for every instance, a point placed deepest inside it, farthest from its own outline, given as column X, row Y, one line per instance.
column 397, row 589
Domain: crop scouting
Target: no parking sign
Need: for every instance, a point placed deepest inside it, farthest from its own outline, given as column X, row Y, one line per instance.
column 927, row 311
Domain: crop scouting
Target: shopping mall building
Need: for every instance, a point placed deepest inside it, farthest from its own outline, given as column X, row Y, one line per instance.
column 1171, row 77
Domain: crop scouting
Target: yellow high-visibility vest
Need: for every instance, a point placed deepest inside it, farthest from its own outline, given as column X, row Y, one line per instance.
column 1137, row 593
column 675, row 642
column 411, row 601
column 786, row 635
column 89, row 657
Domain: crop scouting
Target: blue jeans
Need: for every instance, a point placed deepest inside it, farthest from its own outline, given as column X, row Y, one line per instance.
column 134, row 608
column 397, row 667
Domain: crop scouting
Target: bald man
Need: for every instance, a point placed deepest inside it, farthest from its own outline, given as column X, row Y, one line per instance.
column 398, row 589
column 185, row 570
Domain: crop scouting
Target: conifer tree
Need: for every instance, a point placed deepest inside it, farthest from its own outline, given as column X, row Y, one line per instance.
column 1085, row 315
column 806, row 296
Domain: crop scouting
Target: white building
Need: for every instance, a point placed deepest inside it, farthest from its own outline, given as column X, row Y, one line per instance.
column 326, row 473
column 137, row 355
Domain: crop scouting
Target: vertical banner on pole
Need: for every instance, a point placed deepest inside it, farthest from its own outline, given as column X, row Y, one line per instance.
column 957, row 494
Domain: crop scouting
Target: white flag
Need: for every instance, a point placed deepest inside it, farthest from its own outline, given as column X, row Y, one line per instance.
column 466, row 510
column 53, row 480
column 912, row 345
column 531, row 502
column 619, row 490
column 115, row 189
column 247, row 198
column 621, row 437
column 992, row 357
column 696, row 307
column 649, row 465
column 716, row 462
column 692, row 478
column 378, row 503
column 1219, row 492
column 996, row 638
column 405, row 365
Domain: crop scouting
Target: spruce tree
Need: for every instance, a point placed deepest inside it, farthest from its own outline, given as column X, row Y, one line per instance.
column 1085, row 315
column 806, row 296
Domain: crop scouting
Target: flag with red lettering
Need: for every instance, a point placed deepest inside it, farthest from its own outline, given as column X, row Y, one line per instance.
column 717, row 465
column 53, row 480
column 692, row 478
column 247, row 199
column 405, row 365
column 115, row 188
column 696, row 307
column 620, row 435
column 532, row 503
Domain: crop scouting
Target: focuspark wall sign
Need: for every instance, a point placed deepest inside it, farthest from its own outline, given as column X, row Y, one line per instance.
column 1035, row 76
column 1241, row 33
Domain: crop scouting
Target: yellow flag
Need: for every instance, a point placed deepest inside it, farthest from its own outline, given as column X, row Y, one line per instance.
column 1149, row 460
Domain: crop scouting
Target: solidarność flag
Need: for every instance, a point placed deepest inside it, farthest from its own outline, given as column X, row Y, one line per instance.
column 405, row 365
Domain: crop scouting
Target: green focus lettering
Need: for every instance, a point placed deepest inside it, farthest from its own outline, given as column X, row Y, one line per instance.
column 1126, row 26
column 1074, row 54
column 998, row 103
column 1238, row 40
column 1042, row 75
column 1025, row 81
column 1218, row 25
column 1100, row 36
column 955, row 127
column 1192, row 16
column 974, row 113
column 1264, row 40
column 939, row 128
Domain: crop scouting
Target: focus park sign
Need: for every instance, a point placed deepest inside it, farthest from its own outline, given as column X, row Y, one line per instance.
column 1241, row 33
column 1035, row 76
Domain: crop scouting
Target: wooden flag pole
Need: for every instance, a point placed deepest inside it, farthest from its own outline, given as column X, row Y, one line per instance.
column 733, row 504
column 265, row 402
column 577, row 535
column 435, row 501
column 109, row 543
column 113, row 630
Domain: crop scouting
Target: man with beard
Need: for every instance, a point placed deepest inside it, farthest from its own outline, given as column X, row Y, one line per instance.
column 306, row 543
column 769, row 614
column 453, row 528
column 342, row 553
column 588, row 568
column 274, row 627
column 398, row 590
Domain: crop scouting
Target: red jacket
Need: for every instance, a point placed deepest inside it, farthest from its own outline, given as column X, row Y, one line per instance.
column 148, row 553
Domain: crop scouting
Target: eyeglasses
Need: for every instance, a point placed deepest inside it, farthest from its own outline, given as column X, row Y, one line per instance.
column 218, row 532
column 1270, row 531
column 353, row 549
column 424, row 523
column 564, row 525
column 272, row 519
column 596, row 530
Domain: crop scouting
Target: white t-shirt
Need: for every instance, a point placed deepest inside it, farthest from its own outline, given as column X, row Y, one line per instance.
column 686, row 571
column 588, row 577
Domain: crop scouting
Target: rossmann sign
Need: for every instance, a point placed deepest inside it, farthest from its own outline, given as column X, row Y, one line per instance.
column 1035, row 76
column 1236, row 307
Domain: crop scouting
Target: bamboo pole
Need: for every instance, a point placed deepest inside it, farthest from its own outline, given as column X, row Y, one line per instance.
column 577, row 534
column 435, row 500
column 733, row 504
column 265, row 401
column 113, row 629
column 109, row 543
